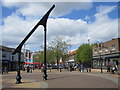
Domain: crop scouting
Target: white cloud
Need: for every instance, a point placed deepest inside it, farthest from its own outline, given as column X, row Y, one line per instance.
column 63, row 26
column 87, row 18
column 103, row 11
column 61, row 1
column 15, row 28
column 39, row 8
column 104, row 28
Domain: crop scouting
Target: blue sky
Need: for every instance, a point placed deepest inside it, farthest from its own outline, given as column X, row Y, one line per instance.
column 75, row 14
column 69, row 15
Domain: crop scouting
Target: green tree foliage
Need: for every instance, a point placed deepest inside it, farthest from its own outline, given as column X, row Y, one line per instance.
column 84, row 54
column 38, row 56
column 57, row 49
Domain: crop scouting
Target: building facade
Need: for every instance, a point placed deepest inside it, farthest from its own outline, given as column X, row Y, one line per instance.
column 8, row 60
column 28, row 56
column 107, row 52
column 71, row 57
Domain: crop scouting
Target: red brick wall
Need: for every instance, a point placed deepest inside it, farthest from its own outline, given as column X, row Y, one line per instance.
column 107, row 44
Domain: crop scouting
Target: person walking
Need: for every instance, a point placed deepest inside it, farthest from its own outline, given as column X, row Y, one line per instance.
column 108, row 67
column 113, row 69
column 28, row 69
column 82, row 68
column 70, row 67
column 6, row 70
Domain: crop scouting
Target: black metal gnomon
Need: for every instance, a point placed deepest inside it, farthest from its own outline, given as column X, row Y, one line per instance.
column 43, row 22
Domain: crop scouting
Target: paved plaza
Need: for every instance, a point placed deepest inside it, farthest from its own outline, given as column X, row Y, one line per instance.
column 64, row 79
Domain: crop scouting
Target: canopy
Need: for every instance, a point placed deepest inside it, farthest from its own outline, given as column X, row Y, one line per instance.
column 32, row 63
column 26, row 63
column 36, row 63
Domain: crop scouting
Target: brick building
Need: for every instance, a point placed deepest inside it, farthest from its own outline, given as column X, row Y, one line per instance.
column 106, row 52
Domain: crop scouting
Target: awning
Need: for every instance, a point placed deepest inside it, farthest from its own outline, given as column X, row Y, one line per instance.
column 36, row 63
column 31, row 63
column 26, row 63
column 72, row 60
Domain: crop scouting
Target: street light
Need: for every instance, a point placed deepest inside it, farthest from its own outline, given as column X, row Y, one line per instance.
column 100, row 48
column 91, row 59
column 43, row 22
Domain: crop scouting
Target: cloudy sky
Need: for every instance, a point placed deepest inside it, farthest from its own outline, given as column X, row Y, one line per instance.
column 76, row 21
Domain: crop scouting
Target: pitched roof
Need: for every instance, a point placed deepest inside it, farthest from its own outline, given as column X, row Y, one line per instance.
column 73, row 52
column 7, row 49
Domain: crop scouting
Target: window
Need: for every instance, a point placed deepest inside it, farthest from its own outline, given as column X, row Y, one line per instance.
column 12, row 57
column 3, row 56
column 106, row 49
column 100, row 49
column 113, row 47
column 95, row 51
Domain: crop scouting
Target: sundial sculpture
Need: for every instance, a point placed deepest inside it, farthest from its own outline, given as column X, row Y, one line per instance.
column 43, row 22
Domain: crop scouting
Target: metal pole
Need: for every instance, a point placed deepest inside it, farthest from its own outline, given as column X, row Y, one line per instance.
column 45, row 72
column 18, row 77
column 101, row 63
column 101, row 59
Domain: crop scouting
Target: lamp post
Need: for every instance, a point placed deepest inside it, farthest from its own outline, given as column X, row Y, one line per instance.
column 91, row 59
column 43, row 22
column 101, row 63
column 100, row 47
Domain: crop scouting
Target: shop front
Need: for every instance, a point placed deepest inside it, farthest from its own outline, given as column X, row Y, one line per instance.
column 104, row 59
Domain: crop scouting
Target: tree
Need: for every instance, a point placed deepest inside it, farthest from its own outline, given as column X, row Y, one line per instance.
column 84, row 54
column 38, row 56
column 56, row 49
column 60, row 48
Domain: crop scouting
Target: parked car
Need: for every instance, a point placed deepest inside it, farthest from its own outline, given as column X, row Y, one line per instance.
column 61, row 67
column 54, row 66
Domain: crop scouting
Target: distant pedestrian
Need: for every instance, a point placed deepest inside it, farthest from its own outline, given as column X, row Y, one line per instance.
column 71, row 67
column 75, row 67
column 108, row 67
column 23, row 68
column 5, row 70
column 113, row 69
column 89, row 69
column 28, row 69
column 82, row 68
column 31, row 70
column 42, row 69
